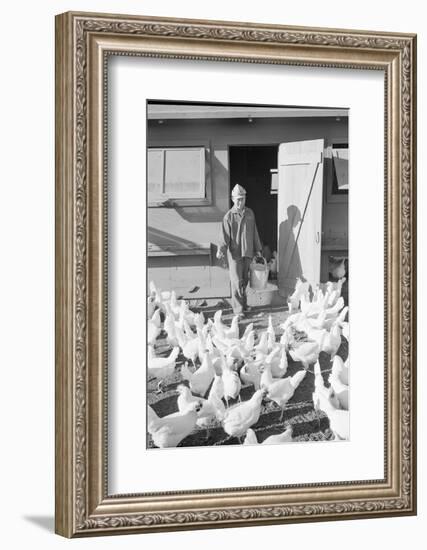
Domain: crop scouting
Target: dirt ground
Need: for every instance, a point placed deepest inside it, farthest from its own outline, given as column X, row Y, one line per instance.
column 307, row 424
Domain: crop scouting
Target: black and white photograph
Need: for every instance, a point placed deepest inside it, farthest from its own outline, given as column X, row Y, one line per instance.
column 247, row 274
column 187, row 274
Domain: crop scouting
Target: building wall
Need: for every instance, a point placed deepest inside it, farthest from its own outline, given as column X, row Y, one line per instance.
column 334, row 225
column 200, row 224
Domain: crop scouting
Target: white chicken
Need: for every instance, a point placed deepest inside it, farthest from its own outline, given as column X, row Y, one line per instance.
column 272, row 357
column 217, row 387
column 324, row 399
column 248, row 329
column 189, row 334
column 262, row 346
column 190, row 350
column 152, row 287
column 280, row 390
column 277, row 439
column 286, row 339
column 152, row 332
column 317, row 292
column 153, row 327
column 201, row 379
column 315, row 334
column 332, row 298
column 248, row 344
column 170, row 430
column 335, row 318
column 284, row 437
column 231, row 381
column 174, row 306
column 271, row 335
column 161, row 367
column 181, row 338
column 151, row 306
column 170, row 328
column 301, row 289
column 251, row 438
column 340, row 318
column 218, row 325
column 278, row 364
column 332, row 340
column 250, row 374
column 292, row 320
column 339, row 284
column 185, row 398
column 201, row 335
column 307, row 353
column 310, row 309
column 227, row 361
column 236, row 350
column 340, row 390
column 345, row 326
column 194, row 345
column 334, row 310
column 198, row 320
column 214, row 413
column 242, row 416
column 160, row 297
column 317, row 322
column 233, row 331
column 233, row 347
column 279, row 369
column 185, row 314
column 340, row 370
column 214, row 351
column 211, row 409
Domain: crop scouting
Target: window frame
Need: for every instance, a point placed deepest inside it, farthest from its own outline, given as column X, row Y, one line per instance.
column 332, row 197
column 165, row 200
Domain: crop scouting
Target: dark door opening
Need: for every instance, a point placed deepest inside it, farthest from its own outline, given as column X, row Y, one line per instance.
column 250, row 167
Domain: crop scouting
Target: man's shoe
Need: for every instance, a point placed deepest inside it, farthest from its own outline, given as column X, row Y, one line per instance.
column 247, row 309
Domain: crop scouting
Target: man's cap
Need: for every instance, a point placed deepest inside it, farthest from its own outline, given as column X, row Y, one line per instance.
column 238, row 191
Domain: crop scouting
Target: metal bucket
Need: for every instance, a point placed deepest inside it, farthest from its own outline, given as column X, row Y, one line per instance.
column 259, row 273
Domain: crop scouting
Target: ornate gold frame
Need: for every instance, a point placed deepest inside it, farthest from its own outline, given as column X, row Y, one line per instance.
column 83, row 41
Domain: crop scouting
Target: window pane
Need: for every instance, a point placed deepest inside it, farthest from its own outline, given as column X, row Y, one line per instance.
column 340, row 157
column 184, row 172
column 155, row 171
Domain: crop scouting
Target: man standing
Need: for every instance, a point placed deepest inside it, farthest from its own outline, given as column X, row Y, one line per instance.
column 239, row 237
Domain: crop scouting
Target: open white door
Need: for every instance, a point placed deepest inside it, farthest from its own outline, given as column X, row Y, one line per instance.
column 300, row 195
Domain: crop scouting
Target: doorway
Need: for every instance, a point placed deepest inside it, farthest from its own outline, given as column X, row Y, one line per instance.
column 250, row 167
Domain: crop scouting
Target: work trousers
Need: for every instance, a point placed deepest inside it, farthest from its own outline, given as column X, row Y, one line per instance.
column 239, row 278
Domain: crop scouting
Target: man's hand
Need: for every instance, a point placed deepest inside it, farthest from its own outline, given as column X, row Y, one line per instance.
column 258, row 253
column 219, row 254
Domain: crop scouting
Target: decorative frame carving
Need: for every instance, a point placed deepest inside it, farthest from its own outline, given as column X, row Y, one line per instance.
column 83, row 41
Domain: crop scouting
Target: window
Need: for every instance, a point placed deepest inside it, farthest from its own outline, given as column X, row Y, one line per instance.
column 176, row 173
column 336, row 172
column 340, row 169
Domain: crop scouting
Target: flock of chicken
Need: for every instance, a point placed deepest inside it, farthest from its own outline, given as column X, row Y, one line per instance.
column 218, row 362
